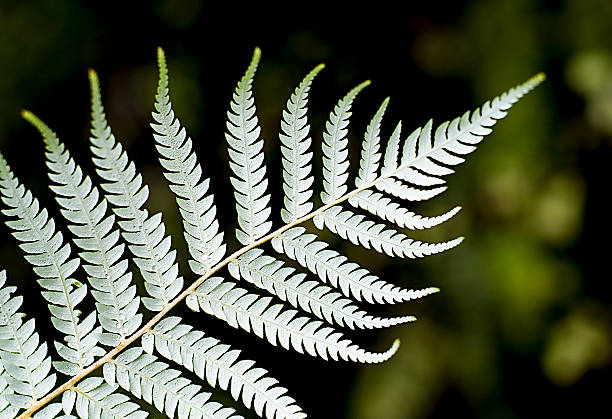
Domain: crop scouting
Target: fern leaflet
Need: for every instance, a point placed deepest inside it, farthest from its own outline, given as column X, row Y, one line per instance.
column 145, row 235
column 146, row 378
column 202, row 234
column 116, row 301
column 219, row 365
column 24, row 364
column 246, row 161
column 47, row 253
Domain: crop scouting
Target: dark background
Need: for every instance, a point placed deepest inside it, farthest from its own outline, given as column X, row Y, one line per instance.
column 522, row 326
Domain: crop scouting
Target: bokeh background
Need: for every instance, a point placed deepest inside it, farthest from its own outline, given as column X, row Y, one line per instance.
column 522, row 327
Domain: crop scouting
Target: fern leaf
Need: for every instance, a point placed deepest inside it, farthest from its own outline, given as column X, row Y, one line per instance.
column 46, row 251
column 383, row 207
column 95, row 398
column 405, row 192
column 371, row 235
column 370, row 157
column 295, row 144
column 220, row 366
column 459, row 136
column 246, row 161
column 417, row 177
column 273, row 322
column 24, row 364
column 152, row 381
column 124, row 190
column 335, row 148
column 334, row 268
column 204, row 240
column 115, row 295
column 392, row 151
column 269, row 274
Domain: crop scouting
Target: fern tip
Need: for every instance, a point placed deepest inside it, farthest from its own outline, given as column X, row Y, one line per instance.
column 94, row 84
column 91, row 74
column 394, row 348
column 161, row 60
column 37, row 123
column 539, row 77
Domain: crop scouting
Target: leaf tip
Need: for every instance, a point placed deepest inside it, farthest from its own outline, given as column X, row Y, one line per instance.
column 540, row 77
column 161, row 58
column 25, row 114
column 37, row 123
column 394, row 348
column 92, row 75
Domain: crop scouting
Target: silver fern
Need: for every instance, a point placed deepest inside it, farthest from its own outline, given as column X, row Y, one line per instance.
column 303, row 312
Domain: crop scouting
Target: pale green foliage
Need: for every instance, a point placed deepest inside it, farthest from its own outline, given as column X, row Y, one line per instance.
column 124, row 190
column 96, row 398
column 25, row 364
column 320, row 303
column 116, row 301
column 180, row 165
column 46, row 251
column 218, row 364
column 247, row 161
column 148, row 379
column 295, row 144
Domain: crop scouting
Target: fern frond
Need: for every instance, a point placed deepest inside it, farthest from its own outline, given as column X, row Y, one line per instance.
column 459, row 136
column 24, row 364
column 268, row 273
column 408, row 173
column 46, row 251
column 335, row 148
column 247, row 161
column 405, row 192
column 386, row 209
column 417, row 178
column 241, row 309
column 297, row 159
column 371, row 235
column 148, row 379
column 25, row 368
column 115, row 295
column 370, row 157
column 335, row 269
column 220, row 366
column 95, row 398
column 124, row 190
column 204, row 240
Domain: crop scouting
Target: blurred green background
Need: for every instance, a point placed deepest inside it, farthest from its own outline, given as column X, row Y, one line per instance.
column 522, row 327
